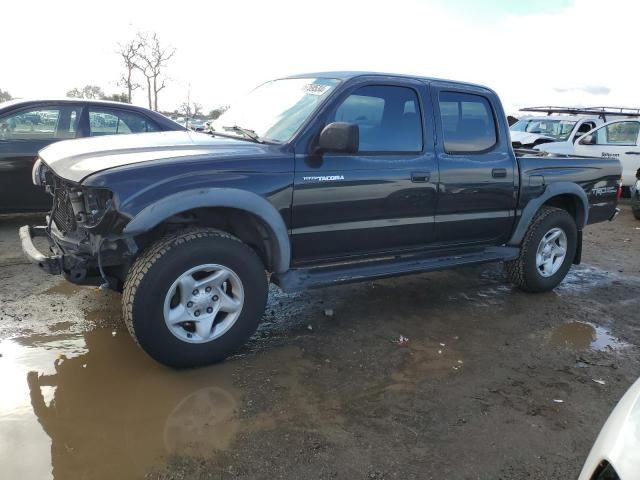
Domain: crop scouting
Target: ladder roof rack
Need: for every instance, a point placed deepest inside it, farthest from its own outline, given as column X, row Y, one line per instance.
column 601, row 112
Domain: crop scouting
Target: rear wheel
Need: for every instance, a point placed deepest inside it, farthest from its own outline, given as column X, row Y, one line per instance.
column 194, row 297
column 547, row 251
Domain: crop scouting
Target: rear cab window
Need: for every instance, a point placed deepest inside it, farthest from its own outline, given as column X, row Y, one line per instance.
column 468, row 123
column 115, row 122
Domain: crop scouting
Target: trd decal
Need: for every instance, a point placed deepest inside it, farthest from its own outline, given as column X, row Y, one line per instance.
column 598, row 191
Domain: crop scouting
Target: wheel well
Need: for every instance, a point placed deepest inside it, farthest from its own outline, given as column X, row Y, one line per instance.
column 247, row 227
column 571, row 203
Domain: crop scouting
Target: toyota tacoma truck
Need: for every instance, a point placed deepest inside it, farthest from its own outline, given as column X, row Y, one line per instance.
column 312, row 180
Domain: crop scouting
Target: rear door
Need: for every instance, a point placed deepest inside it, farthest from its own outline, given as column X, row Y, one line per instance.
column 381, row 198
column 617, row 140
column 477, row 191
column 23, row 133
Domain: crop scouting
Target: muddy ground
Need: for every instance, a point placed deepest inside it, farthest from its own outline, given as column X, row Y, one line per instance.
column 493, row 383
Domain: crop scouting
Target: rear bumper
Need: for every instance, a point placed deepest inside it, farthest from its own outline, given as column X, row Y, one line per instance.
column 51, row 263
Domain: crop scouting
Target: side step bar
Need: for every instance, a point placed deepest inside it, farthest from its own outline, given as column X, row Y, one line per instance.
column 296, row 280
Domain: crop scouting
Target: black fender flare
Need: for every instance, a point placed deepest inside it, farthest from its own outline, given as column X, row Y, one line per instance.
column 154, row 214
column 552, row 190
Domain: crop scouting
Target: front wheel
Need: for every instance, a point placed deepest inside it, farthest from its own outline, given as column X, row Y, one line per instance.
column 546, row 253
column 194, row 297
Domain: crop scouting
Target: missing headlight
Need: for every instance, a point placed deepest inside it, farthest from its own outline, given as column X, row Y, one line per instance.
column 96, row 203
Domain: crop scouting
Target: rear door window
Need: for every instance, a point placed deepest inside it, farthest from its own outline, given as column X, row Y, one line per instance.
column 115, row 122
column 468, row 123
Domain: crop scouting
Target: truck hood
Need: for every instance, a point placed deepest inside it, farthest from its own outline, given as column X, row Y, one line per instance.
column 558, row 148
column 526, row 138
column 75, row 160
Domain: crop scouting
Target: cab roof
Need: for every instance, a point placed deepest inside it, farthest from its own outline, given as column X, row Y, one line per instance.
column 348, row 75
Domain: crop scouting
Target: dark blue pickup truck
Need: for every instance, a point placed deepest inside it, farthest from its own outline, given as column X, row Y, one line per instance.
column 313, row 180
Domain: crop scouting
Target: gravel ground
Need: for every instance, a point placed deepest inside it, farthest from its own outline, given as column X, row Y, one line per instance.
column 492, row 382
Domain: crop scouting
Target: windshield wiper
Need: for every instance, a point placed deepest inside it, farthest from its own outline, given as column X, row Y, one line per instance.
column 245, row 132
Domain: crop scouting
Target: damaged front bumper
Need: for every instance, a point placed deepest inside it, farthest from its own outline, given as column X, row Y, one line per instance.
column 66, row 258
column 51, row 263
column 82, row 258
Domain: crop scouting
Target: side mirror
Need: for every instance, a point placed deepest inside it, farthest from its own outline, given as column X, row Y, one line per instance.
column 340, row 137
column 588, row 140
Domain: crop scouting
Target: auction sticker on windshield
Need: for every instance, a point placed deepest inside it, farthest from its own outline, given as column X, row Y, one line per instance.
column 315, row 88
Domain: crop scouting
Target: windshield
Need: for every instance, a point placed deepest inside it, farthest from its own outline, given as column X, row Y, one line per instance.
column 275, row 110
column 558, row 129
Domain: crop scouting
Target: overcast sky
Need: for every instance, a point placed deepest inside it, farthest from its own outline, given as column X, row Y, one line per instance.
column 567, row 52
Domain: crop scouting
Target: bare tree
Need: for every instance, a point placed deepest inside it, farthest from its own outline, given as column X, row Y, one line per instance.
column 151, row 60
column 197, row 109
column 129, row 54
column 185, row 109
column 191, row 110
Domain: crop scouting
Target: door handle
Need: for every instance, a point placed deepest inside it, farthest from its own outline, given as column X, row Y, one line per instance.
column 420, row 176
column 632, row 153
column 499, row 173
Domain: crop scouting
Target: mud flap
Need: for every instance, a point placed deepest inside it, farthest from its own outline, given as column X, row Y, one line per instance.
column 578, row 258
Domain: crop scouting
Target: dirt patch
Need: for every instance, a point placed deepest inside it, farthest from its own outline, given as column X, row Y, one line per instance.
column 63, row 288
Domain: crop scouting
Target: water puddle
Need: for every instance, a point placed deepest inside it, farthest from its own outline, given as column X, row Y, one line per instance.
column 583, row 336
column 95, row 406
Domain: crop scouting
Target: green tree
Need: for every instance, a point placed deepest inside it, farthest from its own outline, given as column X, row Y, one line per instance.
column 91, row 92
column 5, row 96
column 118, row 97
column 216, row 112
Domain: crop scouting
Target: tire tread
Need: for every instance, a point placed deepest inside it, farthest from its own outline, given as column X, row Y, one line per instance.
column 154, row 253
column 515, row 269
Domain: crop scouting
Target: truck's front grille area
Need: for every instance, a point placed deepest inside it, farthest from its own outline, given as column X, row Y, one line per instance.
column 63, row 211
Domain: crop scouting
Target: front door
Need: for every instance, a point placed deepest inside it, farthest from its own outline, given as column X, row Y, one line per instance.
column 477, row 194
column 22, row 135
column 381, row 198
column 618, row 140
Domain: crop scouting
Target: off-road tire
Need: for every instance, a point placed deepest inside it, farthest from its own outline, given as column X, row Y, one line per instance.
column 523, row 271
column 160, row 265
